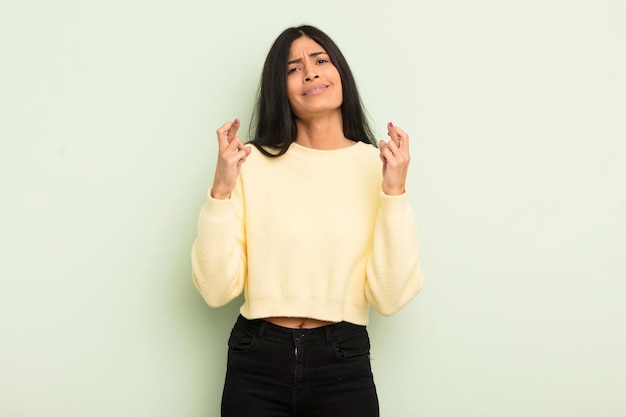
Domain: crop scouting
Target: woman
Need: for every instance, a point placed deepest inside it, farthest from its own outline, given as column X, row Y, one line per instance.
column 306, row 226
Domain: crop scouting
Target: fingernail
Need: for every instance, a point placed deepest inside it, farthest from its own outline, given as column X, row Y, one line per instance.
column 236, row 121
column 390, row 124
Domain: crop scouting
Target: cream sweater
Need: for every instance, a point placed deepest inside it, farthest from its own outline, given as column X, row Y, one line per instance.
column 309, row 234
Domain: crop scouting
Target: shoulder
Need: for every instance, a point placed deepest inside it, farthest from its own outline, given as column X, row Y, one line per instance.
column 369, row 153
column 257, row 161
column 369, row 148
column 258, row 154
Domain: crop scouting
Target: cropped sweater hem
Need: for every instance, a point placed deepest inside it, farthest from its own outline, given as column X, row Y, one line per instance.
column 305, row 307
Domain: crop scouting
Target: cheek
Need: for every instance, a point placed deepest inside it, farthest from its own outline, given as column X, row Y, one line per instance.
column 291, row 89
column 338, row 85
column 336, row 78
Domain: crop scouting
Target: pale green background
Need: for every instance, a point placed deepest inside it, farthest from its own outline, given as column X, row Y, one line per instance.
column 517, row 116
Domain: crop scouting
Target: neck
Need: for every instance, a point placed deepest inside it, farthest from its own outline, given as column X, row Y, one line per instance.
column 324, row 133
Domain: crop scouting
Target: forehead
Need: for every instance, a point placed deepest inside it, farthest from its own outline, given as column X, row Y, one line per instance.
column 304, row 46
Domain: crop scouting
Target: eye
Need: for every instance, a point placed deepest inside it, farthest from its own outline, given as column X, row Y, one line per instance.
column 292, row 70
column 321, row 61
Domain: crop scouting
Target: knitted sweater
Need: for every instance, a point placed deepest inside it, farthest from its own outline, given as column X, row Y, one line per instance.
column 309, row 234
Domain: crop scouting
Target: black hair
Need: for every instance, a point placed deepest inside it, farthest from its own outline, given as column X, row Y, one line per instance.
column 273, row 123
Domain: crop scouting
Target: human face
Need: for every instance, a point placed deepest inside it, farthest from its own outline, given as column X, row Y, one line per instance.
column 313, row 82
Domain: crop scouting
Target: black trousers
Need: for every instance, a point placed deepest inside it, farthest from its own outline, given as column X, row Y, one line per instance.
column 275, row 371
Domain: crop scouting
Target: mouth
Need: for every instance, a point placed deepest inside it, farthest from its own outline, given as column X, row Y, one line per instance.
column 315, row 90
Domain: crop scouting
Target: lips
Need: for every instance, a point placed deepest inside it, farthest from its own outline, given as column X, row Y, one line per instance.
column 315, row 90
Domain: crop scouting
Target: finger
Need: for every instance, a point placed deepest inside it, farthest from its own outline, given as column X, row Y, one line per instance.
column 236, row 153
column 235, row 145
column 232, row 132
column 394, row 156
column 392, row 131
column 386, row 155
column 403, row 138
column 246, row 153
column 399, row 136
column 235, row 159
column 241, row 155
column 222, row 134
column 386, row 149
column 382, row 145
column 392, row 146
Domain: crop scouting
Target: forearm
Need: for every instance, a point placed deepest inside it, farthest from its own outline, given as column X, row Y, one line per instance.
column 394, row 275
column 218, row 259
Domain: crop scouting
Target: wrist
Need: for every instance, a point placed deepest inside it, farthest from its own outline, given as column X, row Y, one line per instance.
column 219, row 195
column 394, row 191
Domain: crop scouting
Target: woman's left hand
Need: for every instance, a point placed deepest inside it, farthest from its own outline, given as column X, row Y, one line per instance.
column 396, row 158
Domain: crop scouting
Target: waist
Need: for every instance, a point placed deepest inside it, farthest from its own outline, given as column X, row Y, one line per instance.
column 317, row 335
column 297, row 322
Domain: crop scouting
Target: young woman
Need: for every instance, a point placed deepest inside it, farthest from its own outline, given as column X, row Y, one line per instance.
column 312, row 222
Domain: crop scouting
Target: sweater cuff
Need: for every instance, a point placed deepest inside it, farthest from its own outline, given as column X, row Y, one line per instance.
column 217, row 207
column 394, row 203
column 394, row 199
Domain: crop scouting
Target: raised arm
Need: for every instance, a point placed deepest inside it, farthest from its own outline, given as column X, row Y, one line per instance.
column 218, row 255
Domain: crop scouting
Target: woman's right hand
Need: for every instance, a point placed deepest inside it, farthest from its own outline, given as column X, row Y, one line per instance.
column 231, row 154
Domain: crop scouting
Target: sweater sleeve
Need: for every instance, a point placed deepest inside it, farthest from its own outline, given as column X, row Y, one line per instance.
column 394, row 276
column 218, row 255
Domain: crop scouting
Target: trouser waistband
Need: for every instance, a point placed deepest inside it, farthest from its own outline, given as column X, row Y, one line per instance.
column 319, row 335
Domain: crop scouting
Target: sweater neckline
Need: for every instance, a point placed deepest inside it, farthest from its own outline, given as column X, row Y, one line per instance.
column 326, row 156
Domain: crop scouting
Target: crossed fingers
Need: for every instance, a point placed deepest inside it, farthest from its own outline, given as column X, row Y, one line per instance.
column 229, row 143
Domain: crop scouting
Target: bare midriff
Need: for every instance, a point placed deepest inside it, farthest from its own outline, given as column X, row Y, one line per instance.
column 298, row 322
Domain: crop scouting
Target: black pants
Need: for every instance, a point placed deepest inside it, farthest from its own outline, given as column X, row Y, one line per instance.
column 274, row 371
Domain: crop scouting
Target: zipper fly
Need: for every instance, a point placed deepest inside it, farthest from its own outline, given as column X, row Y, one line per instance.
column 297, row 339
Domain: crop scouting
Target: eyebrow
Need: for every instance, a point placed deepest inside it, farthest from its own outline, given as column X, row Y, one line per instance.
column 312, row 54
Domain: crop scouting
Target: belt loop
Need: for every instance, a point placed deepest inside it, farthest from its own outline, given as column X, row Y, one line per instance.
column 261, row 327
column 329, row 336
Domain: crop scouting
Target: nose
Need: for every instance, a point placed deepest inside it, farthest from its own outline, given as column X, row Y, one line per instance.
column 310, row 77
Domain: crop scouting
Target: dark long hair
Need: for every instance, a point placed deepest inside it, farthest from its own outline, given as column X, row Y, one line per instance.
column 273, row 123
